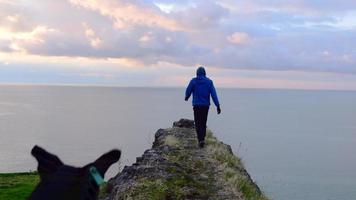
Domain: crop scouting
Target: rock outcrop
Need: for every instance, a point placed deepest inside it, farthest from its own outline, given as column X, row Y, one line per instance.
column 176, row 168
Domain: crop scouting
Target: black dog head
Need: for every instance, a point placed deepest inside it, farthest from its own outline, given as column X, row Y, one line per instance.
column 62, row 182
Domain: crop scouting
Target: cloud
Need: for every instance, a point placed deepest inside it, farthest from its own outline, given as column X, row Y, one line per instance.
column 238, row 38
column 15, row 41
column 95, row 41
column 146, row 37
column 98, row 75
column 229, row 34
column 113, row 72
column 126, row 14
column 305, row 7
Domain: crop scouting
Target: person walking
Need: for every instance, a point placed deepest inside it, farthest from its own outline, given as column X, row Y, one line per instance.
column 202, row 88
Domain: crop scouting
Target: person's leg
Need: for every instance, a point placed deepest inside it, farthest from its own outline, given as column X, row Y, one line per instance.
column 198, row 122
column 205, row 112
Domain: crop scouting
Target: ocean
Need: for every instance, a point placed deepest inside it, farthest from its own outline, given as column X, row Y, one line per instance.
column 296, row 144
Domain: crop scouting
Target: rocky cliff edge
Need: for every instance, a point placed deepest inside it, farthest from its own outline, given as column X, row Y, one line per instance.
column 176, row 168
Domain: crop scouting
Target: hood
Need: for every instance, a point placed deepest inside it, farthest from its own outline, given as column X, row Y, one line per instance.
column 201, row 71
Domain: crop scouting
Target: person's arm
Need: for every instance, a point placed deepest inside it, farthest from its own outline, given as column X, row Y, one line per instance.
column 214, row 96
column 189, row 90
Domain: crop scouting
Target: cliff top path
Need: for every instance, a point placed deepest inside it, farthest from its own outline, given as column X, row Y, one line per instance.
column 176, row 168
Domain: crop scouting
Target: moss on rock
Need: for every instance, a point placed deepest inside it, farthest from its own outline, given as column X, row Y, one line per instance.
column 176, row 168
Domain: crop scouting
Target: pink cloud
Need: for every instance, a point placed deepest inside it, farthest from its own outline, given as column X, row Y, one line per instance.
column 238, row 38
column 18, row 39
column 126, row 15
column 94, row 41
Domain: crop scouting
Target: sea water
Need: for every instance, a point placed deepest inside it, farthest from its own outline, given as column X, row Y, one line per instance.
column 296, row 144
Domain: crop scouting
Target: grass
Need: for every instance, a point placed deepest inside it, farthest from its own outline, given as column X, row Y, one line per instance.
column 179, row 186
column 170, row 140
column 182, row 183
column 231, row 167
column 17, row 186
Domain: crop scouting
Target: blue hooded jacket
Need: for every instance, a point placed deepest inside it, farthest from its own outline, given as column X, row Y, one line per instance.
column 202, row 87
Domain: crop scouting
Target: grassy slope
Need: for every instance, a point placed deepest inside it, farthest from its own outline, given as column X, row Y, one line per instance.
column 17, row 186
column 231, row 165
column 176, row 187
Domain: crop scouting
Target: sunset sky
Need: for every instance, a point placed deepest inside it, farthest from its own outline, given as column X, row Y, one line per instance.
column 300, row 44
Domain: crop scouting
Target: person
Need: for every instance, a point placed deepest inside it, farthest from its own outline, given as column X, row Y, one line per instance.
column 202, row 88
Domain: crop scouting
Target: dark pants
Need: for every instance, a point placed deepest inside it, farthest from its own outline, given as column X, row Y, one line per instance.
column 200, row 118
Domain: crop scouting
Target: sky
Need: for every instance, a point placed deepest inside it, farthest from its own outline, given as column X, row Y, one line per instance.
column 297, row 44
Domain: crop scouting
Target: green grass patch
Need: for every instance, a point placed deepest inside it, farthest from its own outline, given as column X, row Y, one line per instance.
column 17, row 186
column 231, row 164
column 170, row 140
column 180, row 186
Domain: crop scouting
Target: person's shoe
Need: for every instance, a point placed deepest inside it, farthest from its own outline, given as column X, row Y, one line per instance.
column 201, row 144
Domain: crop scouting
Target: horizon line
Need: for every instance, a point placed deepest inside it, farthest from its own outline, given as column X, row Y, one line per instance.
column 163, row 87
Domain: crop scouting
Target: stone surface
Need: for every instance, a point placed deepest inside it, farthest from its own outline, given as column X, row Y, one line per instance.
column 176, row 168
column 184, row 123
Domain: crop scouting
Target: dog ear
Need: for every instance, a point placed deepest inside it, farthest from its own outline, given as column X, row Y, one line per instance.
column 103, row 163
column 47, row 162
